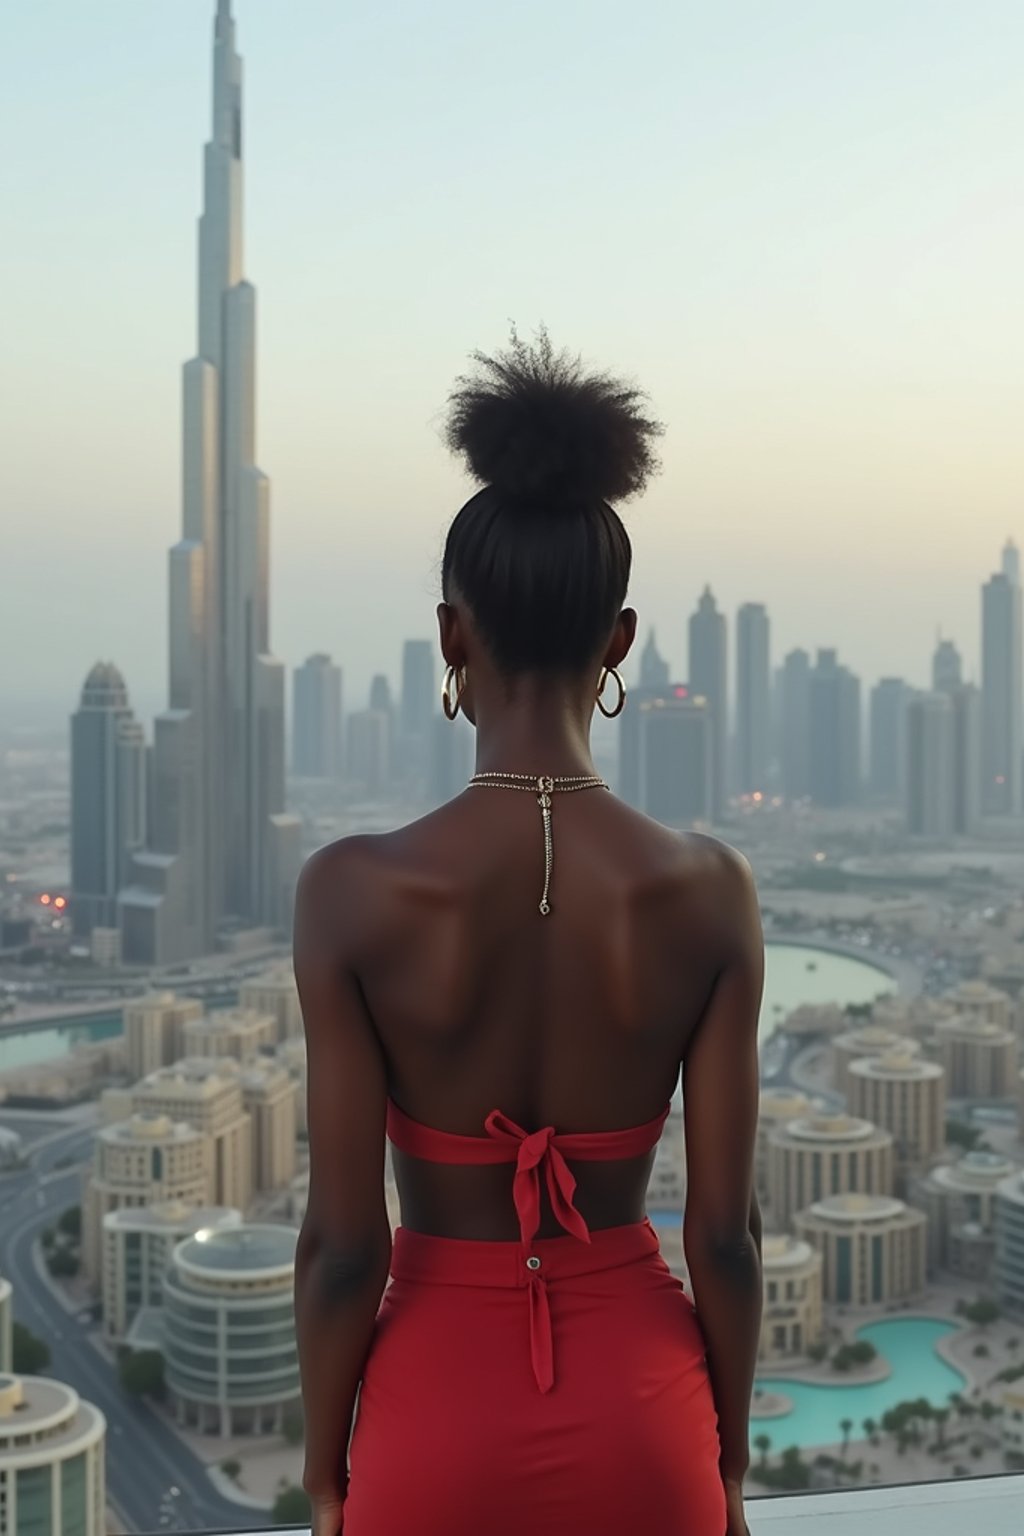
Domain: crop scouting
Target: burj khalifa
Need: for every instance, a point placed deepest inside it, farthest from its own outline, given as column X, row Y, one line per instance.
column 221, row 852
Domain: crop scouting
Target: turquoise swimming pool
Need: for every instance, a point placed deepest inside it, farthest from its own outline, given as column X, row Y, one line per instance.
column 907, row 1343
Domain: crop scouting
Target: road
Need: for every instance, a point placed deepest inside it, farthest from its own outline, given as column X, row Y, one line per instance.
column 145, row 1458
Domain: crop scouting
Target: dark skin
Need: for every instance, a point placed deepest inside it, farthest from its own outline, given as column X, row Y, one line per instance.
column 426, row 972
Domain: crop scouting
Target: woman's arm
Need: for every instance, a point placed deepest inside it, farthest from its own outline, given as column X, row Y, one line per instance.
column 721, row 1231
column 344, row 1248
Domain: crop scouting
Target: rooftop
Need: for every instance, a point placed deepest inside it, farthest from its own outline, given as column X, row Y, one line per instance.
column 242, row 1251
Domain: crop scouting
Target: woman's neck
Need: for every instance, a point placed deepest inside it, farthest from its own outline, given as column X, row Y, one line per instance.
column 543, row 729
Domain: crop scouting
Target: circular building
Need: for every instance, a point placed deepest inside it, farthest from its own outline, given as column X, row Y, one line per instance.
column 792, row 1320
column 873, row 1248
column 229, row 1329
column 907, row 1097
column 1009, row 1261
column 776, row 1107
column 870, row 1040
column 51, row 1460
column 979, row 1058
column 820, row 1155
column 959, row 1200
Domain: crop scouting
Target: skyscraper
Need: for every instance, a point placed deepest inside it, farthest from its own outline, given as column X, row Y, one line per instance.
column 1002, row 694
column 1010, row 562
column 753, row 697
column 795, row 720
column 219, row 749
column 108, row 797
column 835, row 767
column 654, row 672
column 419, row 707
column 887, row 745
column 709, row 680
column 931, row 766
column 947, row 667
column 316, row 719
column 966, row 758
column 676, row 745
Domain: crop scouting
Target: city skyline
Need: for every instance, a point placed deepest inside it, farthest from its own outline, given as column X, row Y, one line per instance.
column 825, row 333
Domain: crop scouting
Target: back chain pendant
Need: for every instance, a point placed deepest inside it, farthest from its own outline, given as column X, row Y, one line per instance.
column 543, row 786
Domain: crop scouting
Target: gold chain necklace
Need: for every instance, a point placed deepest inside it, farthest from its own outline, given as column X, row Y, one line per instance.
column 543, row 785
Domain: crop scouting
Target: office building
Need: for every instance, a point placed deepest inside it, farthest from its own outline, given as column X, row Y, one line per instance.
column 791, row 1321
column 137, row 1245
column 906, row 1096
column 275, row 993
column 676, row 760
column 206, row 1095
column 967, row 770
column 219, row 749
column 980, row 1059
column 368, row 747
column 931, row 767
column 452, row 750
column 316, row 719
column 51, row 1460
column 420, row 705
column 654, row 669
column 835, row 749
column 240, row 1033
column 887, row 746
column 753, row 699
column 292, row 1056
column 6, row 1326
column 873, row 1248
column 709, row 680
column 959, row 1200
column 144, row 1160
column 284, row 866
column 1009, row 1260
column 269, row 1096
column 1002, row 697
column 794, row 694
column 820, row 1155
column 228, row 1330
column 947, row 668
column 154, row 1030
column 108, row 797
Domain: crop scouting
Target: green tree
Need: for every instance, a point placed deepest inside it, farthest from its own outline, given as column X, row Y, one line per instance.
column 818, row 1350
column 63, row 1263
column 291, row 1507
column 231, row 1468
column 70, row 1222
column 846, row 1425
column 960, row 1135
column 870, row 1428
column 29, row 1354
column 763, row 1444
column 141, row 1372
column 982, row 1312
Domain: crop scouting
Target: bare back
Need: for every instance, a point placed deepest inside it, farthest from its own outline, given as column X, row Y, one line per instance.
column 578, row 1020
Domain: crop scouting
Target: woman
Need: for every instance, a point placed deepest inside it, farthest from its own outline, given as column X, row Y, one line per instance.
column 508, row 988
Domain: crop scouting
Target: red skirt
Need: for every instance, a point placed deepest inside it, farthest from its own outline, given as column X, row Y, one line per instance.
column 567, row 1398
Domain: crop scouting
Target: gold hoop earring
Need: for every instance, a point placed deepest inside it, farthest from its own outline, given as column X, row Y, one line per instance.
column 606, row 673
column 450, row 700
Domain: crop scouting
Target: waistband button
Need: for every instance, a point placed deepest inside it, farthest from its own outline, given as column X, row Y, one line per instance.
column 533, row 1262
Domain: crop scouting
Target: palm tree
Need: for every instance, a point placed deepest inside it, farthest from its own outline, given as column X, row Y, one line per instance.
column 846, row 1425
column 941, row 1415
column 763, row 1443
column 870, row 1428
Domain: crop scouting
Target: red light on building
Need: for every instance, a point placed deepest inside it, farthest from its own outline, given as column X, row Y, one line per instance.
column 60, row 902
column 681, row 693
column 44, row 901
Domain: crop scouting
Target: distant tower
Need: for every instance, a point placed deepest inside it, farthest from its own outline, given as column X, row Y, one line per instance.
column 947, row 667
column 419, row 708
column 219, row 748
column 654, row 671
column 1002, row 690
column 753, row 697
column 709, row 680
column 316, row 719
column 795, row 724
column 888, row 738
column 676, row 745
column 835, row 770
column 1011, row 562
column 108, row 797
column 931, row 766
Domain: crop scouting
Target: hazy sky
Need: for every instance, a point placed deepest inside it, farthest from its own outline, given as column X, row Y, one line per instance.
column 800, row 223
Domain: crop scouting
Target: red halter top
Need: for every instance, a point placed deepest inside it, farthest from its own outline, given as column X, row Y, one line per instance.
column 534, row 1153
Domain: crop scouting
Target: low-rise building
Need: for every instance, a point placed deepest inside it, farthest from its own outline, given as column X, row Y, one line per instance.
column 207, row 1094
column 137, row 1248
column 154, row 1030
column 51, row 1460
column 959, row 1200
column 144, row 1160
column 792, row 1319
column 275, row 993
column 269, row 1095
column 873, row 1248
column 238, row 1033
column 228, row 1329
column 820, row 1155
